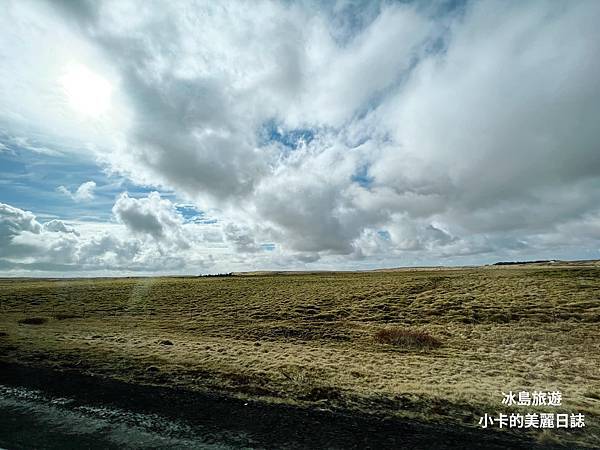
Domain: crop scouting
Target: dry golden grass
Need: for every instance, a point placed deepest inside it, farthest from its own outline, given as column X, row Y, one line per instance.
column 309, row 338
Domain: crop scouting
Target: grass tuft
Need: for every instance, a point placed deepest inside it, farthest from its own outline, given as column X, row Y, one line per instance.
column 405, row 338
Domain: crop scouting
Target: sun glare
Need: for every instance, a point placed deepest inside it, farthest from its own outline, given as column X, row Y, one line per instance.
column 87, row 93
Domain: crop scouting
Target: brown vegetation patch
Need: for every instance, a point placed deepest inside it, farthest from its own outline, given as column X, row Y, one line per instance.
column 33, row 321
column 401, row 337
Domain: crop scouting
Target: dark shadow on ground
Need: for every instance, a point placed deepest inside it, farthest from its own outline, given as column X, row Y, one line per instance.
column 99, row 413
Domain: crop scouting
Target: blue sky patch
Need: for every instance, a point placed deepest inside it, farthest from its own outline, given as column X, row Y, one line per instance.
column 362, row 177
column 30, row 181
column 193, row 215
column 272, row 132
column 384, row 234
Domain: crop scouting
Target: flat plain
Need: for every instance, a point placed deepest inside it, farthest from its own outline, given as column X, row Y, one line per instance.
column 313, row 339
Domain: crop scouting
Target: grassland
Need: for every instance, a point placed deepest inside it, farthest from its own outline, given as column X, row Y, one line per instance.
column 310, row 339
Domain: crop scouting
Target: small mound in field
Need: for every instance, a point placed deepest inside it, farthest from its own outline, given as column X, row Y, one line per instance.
column 401, row 337
column 33, row 321
column 166, row 342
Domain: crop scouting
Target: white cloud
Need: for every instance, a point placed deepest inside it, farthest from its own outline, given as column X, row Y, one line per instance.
column 58, row 226
column 85, row 192
column 152, row 216
column 14, row 221
column 26, row 244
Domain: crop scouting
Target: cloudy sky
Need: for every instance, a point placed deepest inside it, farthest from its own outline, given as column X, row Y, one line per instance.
column 203, row 137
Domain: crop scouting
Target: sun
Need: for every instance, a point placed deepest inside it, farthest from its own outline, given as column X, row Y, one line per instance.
column 87, row 93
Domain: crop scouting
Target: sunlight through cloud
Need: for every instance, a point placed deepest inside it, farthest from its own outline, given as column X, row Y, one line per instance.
column 87, row 93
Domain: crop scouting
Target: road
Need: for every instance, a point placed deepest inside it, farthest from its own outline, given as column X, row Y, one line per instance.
column 42, row 409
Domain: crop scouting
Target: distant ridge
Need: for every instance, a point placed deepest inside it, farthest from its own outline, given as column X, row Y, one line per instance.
column 540, row 261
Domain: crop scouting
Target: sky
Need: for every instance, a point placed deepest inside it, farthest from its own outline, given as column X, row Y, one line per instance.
column 149, row 137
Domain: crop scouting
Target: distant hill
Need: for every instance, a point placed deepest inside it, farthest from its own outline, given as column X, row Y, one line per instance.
column 540, row 261
column 553, row 262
